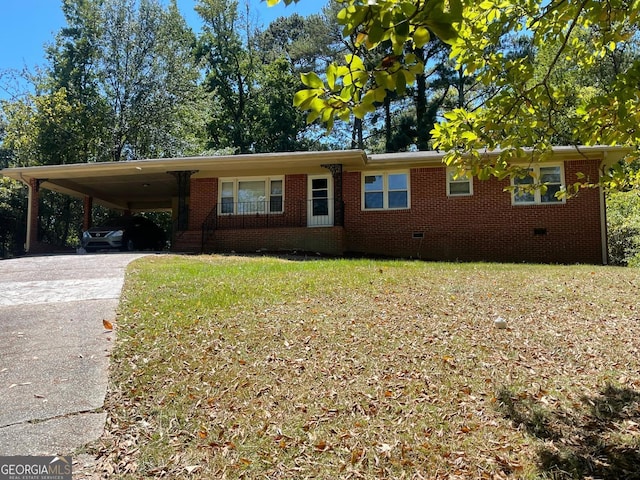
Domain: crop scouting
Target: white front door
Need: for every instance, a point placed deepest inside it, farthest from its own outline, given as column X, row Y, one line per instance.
column 320, row 205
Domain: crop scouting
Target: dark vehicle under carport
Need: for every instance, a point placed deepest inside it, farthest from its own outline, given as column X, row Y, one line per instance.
column 126, row 233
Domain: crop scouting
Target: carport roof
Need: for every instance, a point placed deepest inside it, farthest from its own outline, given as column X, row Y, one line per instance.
column 151, row 185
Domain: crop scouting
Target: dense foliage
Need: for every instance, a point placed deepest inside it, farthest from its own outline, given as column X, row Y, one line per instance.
column 623, row 219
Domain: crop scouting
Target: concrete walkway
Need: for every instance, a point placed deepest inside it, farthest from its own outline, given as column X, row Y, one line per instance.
column 54, row 350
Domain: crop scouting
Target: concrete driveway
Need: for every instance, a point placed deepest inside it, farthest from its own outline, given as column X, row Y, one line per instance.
column 54, row 350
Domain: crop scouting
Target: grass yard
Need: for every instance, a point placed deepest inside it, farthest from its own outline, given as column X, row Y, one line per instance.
column 241, row 367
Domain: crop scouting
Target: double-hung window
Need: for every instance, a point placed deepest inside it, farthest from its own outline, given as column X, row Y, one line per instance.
column 385, row 191
column 539, row 186
column 458, row 185
column 251, row 195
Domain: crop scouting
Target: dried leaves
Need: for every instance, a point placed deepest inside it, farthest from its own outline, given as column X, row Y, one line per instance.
column 387, row 370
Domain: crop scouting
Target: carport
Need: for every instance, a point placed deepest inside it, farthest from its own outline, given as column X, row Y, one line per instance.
column 133, row 186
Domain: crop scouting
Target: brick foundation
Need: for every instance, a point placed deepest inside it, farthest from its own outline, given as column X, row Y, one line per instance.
column 325, row 240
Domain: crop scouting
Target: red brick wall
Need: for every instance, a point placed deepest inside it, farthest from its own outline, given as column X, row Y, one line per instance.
column 204, row 196
column 328, row 240
column 484, row 226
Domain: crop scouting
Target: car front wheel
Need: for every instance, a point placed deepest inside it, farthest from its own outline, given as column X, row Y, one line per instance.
column 128, row 245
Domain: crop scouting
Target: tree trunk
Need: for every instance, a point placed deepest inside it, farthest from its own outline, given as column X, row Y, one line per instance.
column 422, row 120
column 387, row 124
column 461, row 91
column 357, row 140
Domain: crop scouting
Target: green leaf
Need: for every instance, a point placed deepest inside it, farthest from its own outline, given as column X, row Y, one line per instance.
column 331, row 76
column 344, row 114
column 383, row 79
column 408, row 8
column 354, row 62
column 303, row 98
column 455, row 8
column 312, row 80
column 470, row 136
column 376, row 35
column 347, row 93
column 380, row 94
column 361, row 110
column 402, row 30
column 444, row 30
column 408, row 77
column 313, row 116
column 421, row 37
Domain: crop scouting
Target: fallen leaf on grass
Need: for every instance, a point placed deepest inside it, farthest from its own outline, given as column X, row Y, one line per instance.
column 356, row 455
column 321, row 446
column 385, row 448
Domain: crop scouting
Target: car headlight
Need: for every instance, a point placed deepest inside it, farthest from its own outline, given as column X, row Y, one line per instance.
column 115, row 233
column 86, row 234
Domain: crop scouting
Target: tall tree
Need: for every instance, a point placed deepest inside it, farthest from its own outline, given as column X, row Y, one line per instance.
column 77, row 133
column 279, row 125
column 511, row 118
column 230, row 71
column 146, row 74
column 122, row 83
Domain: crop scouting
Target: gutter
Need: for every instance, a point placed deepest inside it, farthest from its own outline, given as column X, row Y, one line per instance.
column 603, row 227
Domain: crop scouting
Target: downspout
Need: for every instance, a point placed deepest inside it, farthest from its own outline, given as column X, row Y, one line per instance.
column 604, row 236
column 603, row 227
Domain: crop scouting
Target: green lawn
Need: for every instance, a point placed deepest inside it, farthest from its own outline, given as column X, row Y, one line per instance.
column 241, row 367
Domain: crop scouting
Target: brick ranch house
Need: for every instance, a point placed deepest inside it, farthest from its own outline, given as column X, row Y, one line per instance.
column 339, row 202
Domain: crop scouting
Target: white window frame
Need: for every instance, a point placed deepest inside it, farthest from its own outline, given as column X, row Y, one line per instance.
column 237, row 180
column 537, row 194
column 451, row 172
column 385, row 189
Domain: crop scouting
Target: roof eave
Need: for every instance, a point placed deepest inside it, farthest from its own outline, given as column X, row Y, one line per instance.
column 224, row 163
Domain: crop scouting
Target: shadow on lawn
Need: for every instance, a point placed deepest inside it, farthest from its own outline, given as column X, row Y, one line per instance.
column 598, row 438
